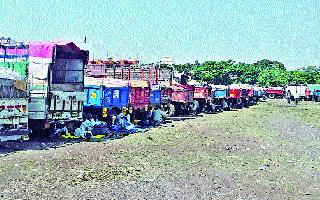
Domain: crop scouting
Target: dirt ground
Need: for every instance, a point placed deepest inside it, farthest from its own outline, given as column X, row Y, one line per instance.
column 269, row 151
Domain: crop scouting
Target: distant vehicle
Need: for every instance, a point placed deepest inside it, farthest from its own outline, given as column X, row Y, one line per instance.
column 219, row 95
column 258, row 94
column 202, row 96
column 182, row 98
column 314, row 92
column 139, row 93
column 297, row 92
column 275, row 92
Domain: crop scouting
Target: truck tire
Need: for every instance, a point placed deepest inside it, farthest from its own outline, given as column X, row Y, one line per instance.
column 271, row 96
column 171, row 110
column 195, row 106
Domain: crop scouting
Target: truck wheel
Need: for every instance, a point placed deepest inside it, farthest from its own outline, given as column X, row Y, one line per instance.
column 195, row 107
column 271, row 96
column 171, row 110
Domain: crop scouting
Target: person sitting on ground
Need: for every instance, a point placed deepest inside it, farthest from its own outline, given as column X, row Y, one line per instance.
column 106, row 117
column 144, row 117
column 131, row 113
column 124, row 123
column 158, row 116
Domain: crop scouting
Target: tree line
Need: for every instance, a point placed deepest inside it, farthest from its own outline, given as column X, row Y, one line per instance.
column 264, row 73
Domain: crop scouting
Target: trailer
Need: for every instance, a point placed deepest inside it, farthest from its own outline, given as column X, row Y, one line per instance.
column 56, row 79
column 13, row 91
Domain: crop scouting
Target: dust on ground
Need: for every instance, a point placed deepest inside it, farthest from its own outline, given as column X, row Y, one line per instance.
column 269, row 151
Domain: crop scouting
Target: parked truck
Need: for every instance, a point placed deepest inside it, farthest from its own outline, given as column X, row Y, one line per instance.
column 275, row 92
column 139, row 94
column 56, row 79
column 314, row 92
column 219, row 96
column 235, row 96
column 298, row 92
column 257, row 94
column 104, row 95
column 202, row 96
column 13, row 91
column 182, row 99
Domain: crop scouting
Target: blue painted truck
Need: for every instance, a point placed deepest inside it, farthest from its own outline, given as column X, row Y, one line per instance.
column 220, row 94
column 314, row 91
column 316, row 95
column 105, row 93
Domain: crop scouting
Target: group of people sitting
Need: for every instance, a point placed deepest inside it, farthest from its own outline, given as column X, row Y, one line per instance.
column 126, row 120
column 111, row 122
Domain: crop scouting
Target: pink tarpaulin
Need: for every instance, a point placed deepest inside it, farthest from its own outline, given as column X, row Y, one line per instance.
column 45, row 49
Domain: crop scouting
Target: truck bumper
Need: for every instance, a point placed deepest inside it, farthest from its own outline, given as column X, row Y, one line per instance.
column 14, row 134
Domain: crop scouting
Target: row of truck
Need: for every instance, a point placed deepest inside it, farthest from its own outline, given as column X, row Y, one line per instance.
column 48, row 85
column 309, row 92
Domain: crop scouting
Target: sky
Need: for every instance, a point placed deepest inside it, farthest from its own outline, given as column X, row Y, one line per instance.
column 186, row 30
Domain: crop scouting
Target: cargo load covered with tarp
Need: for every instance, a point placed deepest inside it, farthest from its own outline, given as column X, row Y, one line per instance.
column 14, row 70
column 56, row 79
